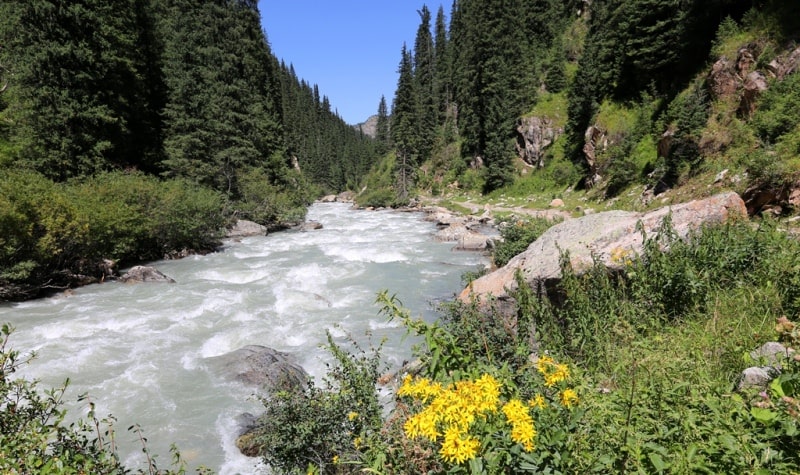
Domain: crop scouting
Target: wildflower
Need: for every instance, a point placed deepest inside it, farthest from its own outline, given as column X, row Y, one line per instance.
column 458, row 447
column 422, row 425
column 336, row 460
column 538, row 402
column 352, row 415
column 544, row 363
column 522, row 430
column 357, row 442
column 568, row 398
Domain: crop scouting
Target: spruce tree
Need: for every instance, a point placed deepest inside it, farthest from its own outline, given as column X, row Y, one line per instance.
column 426, row 89
column 382, row 130
column 443, row 63
column 223, row 107
column 404, row 129
column 78, row 82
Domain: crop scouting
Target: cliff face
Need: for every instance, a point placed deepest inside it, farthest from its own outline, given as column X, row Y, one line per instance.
column 369, row 127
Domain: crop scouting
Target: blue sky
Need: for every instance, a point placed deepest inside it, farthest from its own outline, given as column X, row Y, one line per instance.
column 350, row 48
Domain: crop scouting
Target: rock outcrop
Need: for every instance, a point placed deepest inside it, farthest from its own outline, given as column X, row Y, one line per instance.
column 534, row 135
column 611, row 238
column 140, row 274
column 595, row 140
column 260, row 367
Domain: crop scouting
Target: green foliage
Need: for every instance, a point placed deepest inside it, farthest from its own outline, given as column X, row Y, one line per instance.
column 381, row 185
column 35, row 437
column 517, row 235
column 684, row 118
column 270, row 204
column 778, row 111
column 321, row 428
column 57, row 231
column 81, row 103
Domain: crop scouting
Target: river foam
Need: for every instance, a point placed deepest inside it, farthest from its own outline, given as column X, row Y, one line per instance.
column 141, row 351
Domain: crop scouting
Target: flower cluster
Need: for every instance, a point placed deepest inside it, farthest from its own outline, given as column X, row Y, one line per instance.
column 522, row 430
column 456, row 405
column 450, row 411
column 552, row 372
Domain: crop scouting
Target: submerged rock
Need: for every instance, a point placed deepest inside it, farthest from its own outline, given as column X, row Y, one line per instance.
column 260, row 367
column 139, row 274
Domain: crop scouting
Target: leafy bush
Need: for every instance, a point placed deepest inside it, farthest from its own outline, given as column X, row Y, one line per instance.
column 778, row 111
column 320, row 429
column 55, row 231
column 270, row 204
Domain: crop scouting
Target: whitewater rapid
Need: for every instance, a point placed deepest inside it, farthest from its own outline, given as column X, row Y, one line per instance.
column 141, row 351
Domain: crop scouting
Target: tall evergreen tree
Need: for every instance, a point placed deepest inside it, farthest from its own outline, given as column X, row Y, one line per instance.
column 382, row 129
column 443, row 63
column 426, row 88
column 490, row 85
column 404, row 127
column 81, row 101
column 223, row 109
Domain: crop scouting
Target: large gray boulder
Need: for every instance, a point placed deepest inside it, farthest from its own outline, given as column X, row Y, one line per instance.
column 260, row 367
column 612, row 238
column 139, row 274
column 244, row 228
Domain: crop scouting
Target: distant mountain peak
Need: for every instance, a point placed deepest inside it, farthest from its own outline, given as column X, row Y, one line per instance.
column 369, row 127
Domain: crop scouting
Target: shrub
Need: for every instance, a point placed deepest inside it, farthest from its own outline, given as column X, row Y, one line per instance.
column 778, row 111
column 55, row 232
column 320, row 429
column 270, row 204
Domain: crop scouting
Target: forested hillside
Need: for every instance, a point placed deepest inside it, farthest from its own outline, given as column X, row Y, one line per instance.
column 550, row 96
column 133, row 129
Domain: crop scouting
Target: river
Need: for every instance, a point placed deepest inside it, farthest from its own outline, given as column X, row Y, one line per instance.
column 141, row 351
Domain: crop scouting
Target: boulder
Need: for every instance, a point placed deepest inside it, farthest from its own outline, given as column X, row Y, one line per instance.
column 328, row 199
column 346, row 197
column 534, row 134
column 595, row 140
column 754, row 85
column 557, row 203
column 244, row 228
column 310, row 226
column 772, row 353
column 260, row 367
column 454, row 232
column 722, row 80
column 755, row 377
column 472, row 241
column 139, row 274
column 610, row 237
column 784, row 64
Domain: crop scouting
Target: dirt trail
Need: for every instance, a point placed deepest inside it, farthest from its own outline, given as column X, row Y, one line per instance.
column 491, row 209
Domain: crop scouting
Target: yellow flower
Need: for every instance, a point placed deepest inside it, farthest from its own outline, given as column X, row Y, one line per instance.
column 458, row 447
column 352, row 415
column 538, row 402
column 357, row 442
column 336, row 460
column 568, row 398
column 522, row 430
column 422, row 425
column 544, row 363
